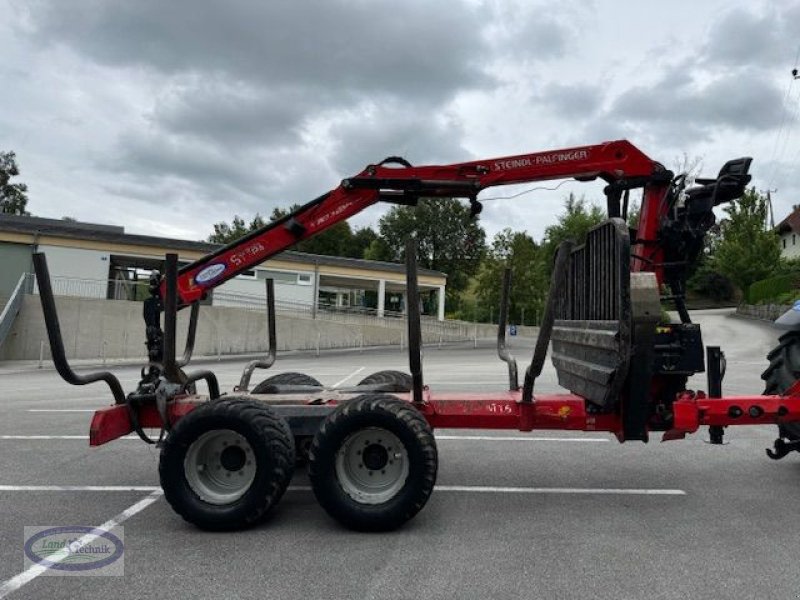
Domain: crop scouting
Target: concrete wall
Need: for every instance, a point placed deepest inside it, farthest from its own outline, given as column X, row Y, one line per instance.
column 93, row 328
column 764, row 312
column 15, row 259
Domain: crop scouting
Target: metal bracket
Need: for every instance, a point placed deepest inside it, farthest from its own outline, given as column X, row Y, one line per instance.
column 783, row 448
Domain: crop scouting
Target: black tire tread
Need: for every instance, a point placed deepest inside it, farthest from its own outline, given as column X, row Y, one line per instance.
column 320, row 465
column 291, row 378
column 783, row 371
column 269, row 428
column 395, row 381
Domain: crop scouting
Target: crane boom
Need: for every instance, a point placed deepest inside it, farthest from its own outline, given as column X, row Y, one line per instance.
column 394, row 180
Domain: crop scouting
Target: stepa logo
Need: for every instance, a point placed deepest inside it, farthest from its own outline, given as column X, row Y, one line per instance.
column 74, row 549
column 210, row 273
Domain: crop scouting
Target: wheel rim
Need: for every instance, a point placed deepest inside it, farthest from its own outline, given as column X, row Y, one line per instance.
column 372, row 465
column 220, row 466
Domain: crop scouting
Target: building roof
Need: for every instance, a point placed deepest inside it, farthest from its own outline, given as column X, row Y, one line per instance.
column 791, row 224
column 116, row 234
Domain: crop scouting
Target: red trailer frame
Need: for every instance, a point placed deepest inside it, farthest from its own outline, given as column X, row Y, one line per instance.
column 672, row 223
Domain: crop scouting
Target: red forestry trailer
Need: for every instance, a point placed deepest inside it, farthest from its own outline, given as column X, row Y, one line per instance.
column 226, row 460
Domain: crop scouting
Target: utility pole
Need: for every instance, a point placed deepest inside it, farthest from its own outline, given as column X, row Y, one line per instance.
column 771, row 222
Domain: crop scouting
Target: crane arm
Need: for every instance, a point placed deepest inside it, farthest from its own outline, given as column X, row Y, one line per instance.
column 394, row 180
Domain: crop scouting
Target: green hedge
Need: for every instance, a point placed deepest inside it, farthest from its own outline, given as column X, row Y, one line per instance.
column 769, row 289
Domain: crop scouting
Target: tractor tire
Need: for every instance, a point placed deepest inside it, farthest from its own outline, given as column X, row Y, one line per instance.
column 226, row 464
column 783, row 371
column 373, row 463
column 266, row 386
column 302, row 443
column 393, row 381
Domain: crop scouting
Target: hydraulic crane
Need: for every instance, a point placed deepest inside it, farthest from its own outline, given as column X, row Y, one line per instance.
column 372, row 457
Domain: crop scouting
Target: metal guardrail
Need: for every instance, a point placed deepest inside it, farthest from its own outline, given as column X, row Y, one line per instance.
column 12, row 307
column 354, row 315
column 119, row 289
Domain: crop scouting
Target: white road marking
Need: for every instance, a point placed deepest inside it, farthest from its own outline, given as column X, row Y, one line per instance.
column 79, row 488
column 469, row 489
column 354, row 373
column 489, row 438
column 16, row 582
column 481, row 489
column 485, row 489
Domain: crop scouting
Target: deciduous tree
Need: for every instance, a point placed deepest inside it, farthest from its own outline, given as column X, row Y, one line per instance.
column 448, row 239
column 13, row 196
column 747, row 251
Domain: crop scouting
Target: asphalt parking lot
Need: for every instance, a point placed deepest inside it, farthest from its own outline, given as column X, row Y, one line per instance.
column 534, row 515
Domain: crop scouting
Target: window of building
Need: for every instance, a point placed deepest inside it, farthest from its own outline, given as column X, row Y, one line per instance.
column 784, row 243
column 793, row 237
column 249, row 274
column 304, row 279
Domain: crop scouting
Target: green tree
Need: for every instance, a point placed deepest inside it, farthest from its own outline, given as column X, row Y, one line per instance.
column 378, row 249
column 746, row 250
column 573, row 224
column 448, row 239
column 225, row 233
column 361, row 241
column 13, row 196
column 518, row 251
column 337, row 240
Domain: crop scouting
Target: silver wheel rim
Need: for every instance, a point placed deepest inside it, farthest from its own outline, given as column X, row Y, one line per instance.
column 372, row 465
column 220, row 466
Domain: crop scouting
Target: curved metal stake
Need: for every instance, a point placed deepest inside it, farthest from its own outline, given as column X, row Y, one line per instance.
column 502, row 350
column 414, row 328
column 190, row 335
column 57, row 342
column 244, row 382
column 557, row 283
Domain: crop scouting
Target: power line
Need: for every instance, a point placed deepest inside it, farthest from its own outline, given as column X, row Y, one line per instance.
column 775, row 156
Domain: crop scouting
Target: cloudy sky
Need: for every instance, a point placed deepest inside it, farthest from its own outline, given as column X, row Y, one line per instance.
column 168, row 116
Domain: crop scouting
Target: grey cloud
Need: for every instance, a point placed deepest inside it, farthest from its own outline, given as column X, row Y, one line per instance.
column 738, row 100
column 155, row 155
column 410, row 47
column 234, row 114
column 572, row 100
column 421, row 137
column 743, row 37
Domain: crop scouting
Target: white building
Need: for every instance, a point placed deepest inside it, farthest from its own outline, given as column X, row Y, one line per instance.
column 789, row 230
column 101, row 261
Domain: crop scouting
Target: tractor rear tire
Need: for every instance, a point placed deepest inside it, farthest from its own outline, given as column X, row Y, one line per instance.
column 301, row 442
column 226, row 464
column 782, row 373
column 394, row 381
column 267, row 386
column 373, row 463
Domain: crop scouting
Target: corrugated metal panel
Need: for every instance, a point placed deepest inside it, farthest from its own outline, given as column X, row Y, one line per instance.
column 591, row 337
